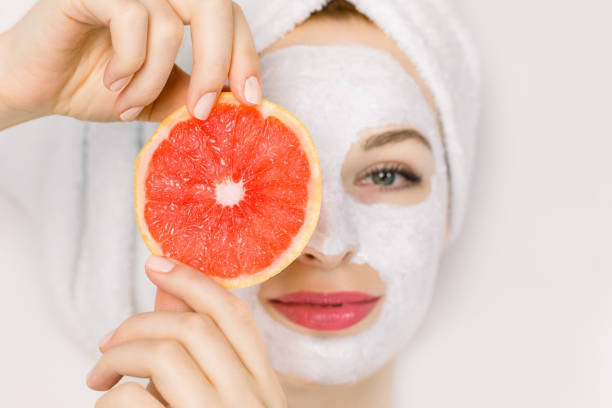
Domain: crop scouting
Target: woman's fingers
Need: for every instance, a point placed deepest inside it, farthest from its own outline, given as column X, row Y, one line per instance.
column 151, row 388
column 177, row 377
column 222, row 46
column 128, row 395
column 230, row 314
column 244, row 77
column 170, row 99
column 146, row 36
column 165, row 36
column 211, row 35
column 129, row 36
column 204, row 342
column 128, row 21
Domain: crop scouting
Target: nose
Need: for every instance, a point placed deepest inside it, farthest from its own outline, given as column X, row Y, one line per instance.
column 311, row 256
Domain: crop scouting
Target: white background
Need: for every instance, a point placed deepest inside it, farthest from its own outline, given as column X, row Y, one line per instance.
column 521, row 313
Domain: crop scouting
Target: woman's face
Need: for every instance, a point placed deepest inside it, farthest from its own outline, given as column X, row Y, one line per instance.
column 390, row 164
column 362, row 284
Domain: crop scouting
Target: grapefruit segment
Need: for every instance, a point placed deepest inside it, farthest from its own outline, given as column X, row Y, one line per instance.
column 236, row 196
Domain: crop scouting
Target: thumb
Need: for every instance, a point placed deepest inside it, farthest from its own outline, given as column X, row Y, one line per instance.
column 166, row 302
column 172, row 97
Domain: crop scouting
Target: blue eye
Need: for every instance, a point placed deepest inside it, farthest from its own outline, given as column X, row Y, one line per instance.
column 389, row 177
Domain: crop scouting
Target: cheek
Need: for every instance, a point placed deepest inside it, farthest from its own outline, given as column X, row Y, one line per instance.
column 403, row 247
column 400, row 241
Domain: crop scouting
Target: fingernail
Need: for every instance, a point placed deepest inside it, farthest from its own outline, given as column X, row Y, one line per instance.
column 119, row 84
column 104, row 340
column 130, row 114
column 204, row 105
column 252, row 90
column 89, row 376
column 159, row 264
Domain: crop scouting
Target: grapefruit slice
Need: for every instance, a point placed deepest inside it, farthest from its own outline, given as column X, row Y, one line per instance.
column 236, row 196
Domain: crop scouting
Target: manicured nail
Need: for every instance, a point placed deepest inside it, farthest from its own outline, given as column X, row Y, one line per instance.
column 159, row 264
column 119, row 84
column 90, row 376
column 252, row 90
column 130, row 114
column 104, row 340
column 204, row 105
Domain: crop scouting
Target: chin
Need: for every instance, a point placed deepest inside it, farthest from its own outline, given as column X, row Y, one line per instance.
column 331, row 357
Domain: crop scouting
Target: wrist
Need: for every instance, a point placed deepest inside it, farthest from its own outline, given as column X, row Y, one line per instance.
column 10, row 113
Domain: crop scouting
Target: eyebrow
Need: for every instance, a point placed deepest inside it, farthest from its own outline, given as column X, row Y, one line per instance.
column 394, row 136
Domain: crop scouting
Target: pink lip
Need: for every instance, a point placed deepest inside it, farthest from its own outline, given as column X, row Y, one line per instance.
column 325, row 311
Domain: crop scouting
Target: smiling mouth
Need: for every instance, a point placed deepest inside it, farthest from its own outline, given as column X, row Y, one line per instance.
column 325, row 311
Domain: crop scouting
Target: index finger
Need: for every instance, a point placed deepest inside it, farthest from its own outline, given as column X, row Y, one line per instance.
column 212, row 32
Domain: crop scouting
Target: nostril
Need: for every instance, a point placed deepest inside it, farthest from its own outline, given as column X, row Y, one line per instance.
column 349, row 254
column 310, row 257
column 313, row 257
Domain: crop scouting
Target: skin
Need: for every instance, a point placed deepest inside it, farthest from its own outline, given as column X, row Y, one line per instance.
column 316, row 271
column 111, row 60
column 200, row 344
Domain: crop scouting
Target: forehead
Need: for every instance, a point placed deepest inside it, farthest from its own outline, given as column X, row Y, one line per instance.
column 344, row 90
column 330, row 30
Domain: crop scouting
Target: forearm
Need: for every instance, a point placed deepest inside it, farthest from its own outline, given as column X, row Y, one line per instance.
column 10, row 115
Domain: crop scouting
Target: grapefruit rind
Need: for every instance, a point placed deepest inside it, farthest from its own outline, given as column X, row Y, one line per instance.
column 312, row 210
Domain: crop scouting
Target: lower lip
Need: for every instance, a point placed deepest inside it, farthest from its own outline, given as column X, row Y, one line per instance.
column 325, row 311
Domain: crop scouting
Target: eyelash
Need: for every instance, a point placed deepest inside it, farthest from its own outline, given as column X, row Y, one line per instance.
column 395, row 168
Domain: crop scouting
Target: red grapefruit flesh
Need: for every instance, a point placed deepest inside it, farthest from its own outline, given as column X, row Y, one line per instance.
column 236, row 196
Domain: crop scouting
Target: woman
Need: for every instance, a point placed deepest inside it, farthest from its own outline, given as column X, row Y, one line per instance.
column 393, row 125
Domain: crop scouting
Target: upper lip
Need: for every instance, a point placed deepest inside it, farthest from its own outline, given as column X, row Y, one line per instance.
column 324, row 298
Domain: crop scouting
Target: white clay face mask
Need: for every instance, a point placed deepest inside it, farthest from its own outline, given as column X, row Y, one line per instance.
column 339, row 92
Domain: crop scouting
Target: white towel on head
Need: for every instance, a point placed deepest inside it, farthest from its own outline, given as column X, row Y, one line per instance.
column 75, row 178
column 429, row 33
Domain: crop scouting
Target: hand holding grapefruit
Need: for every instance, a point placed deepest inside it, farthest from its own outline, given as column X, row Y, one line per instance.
column 236, row 196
